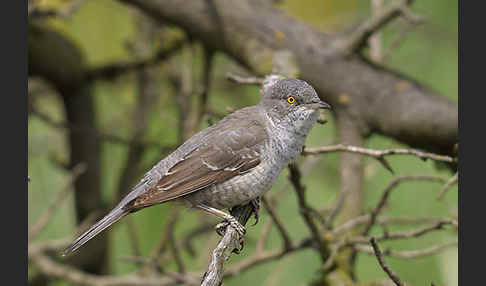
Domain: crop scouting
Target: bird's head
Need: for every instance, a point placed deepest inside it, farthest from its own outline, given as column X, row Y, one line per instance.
column 291, row 98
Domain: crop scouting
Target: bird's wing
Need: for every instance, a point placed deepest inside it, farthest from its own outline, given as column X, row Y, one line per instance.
column 230, row 152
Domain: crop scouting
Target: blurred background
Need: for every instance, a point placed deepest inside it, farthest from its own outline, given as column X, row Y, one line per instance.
column 142, row 113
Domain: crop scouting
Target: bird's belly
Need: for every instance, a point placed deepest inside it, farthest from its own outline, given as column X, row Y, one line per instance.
column 238, row 190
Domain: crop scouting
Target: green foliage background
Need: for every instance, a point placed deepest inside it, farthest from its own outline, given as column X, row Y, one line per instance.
column 102, row 28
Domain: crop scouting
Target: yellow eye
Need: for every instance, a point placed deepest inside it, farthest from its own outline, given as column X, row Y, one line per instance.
column 290, row 99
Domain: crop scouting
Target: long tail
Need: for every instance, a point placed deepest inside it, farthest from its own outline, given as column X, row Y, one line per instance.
column 105, row 222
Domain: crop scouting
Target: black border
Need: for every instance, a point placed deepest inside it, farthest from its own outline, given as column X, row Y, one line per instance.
column 13, row 118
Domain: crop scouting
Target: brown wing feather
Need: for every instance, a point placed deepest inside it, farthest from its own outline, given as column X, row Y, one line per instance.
column 236, row 152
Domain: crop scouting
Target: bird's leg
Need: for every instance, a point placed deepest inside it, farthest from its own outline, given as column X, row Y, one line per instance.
column 229, row 218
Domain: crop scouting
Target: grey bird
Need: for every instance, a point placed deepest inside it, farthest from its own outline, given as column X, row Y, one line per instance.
column 232, row 162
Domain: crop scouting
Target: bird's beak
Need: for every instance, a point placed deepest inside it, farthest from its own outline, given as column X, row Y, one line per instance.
column 319, row 105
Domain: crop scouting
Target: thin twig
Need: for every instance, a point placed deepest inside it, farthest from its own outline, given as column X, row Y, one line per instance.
column 352, row 223
column 405, row 234
column 408, row 254
column 63, row 193
column 378, row 154
column 113, row 71
column 38, row 257
column 337, row 246
column 173, row 243
column 64, row 12
column 263, row 237
column 375, row 41
column 243, row 79
column 453, row 180
column 205, row 83
column 393, row 276
column 187, row 241
column 304, row 209
column 384, row 197
column 90, row 131
column 278, row 223
column 132, row 233
column 267, row 256
column 352, row 43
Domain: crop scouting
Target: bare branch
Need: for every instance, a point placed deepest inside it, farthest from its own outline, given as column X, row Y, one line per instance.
column 108, row 137
column 353, row 43
column 384, row 197
column 199, row 230
column 173, row 243
column 378, row 154
column 263, row 237
column 267, row 256
column 64, row 12
column 60, row 197
column 132, row 233
column 205, row 84
column 393, row 276
column 54, row 269
column 229, row 242
column 337, row 246
column 112, row 71
column 408, row 254
column 453, row 180
column 278, row 223
column 305, row 210
column 375, row 41
column 244, row 80
column 405, row 234
column 352, row 223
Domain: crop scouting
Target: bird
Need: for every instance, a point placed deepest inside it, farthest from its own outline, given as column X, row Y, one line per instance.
column 232, row 162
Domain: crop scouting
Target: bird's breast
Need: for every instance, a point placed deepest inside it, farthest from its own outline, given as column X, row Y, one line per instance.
column 239, row 189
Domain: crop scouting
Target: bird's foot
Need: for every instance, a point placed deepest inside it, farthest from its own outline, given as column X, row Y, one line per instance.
column 221, row 227
column 236, row 225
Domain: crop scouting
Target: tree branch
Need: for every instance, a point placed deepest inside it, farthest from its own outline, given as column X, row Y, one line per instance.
column 111, row 72
column 254, row 34
column 393, row 276
column 453, row 180
column 358, row 38
column 378, row 154
column 46, row 265
column 305, row 211
column 278, row 223
column 229, row 242
column 408, row 254
column 384, row 197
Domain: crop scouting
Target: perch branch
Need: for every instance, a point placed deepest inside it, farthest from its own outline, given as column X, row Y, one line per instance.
column 222, row 252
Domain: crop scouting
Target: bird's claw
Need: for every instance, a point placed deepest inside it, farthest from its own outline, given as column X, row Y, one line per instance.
column 255, row 203
column 221, row 227
column 238, row 227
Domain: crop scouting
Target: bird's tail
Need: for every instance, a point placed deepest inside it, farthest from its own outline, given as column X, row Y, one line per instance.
column 105, row 222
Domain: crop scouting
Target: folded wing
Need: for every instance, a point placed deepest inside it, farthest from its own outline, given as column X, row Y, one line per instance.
column 236, row 151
